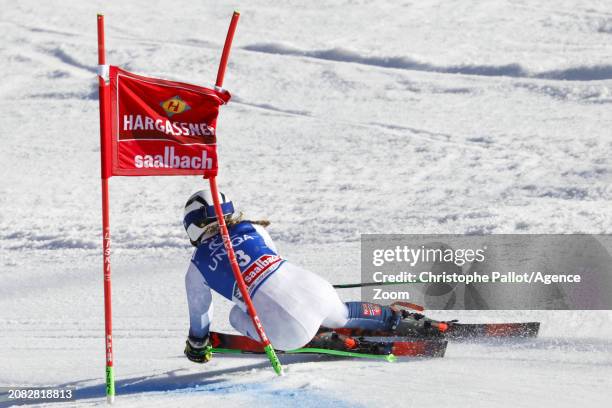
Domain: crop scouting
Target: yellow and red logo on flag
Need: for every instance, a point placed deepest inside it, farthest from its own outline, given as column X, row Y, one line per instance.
column 161, row 127
column 174, row 105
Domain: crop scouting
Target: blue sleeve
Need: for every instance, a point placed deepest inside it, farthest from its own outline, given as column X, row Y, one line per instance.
column 199, row 300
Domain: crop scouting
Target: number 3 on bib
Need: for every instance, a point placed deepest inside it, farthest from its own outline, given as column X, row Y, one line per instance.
column 242, row 258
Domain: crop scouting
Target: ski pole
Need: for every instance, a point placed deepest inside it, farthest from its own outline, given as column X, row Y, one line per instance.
column 365, row 284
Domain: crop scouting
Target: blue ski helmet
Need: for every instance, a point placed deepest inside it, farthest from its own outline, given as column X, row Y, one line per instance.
column 200, row 212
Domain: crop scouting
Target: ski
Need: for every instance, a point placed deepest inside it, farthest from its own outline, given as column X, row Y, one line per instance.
column 335, row 344
column 489, row 330
column 465, row 331
column 451, row 330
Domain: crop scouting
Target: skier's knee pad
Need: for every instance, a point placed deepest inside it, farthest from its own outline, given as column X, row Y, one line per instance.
column 241, row 321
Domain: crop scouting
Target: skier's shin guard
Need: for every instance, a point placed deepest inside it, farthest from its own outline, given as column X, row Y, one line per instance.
column 370, row 316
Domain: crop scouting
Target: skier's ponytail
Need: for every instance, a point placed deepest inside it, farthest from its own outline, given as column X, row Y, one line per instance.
column 230, row 220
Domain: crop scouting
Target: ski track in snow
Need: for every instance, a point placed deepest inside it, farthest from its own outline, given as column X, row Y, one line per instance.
column 470, row 117
column 579, row 73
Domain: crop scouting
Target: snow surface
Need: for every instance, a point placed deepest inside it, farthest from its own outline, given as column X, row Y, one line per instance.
column 449, row 117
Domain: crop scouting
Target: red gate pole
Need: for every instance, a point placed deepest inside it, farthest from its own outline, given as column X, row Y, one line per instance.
column 104, row 95
column 223, row 227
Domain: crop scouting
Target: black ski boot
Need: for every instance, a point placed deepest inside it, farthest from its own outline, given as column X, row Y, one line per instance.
column 417, row 325
column 335, row 341
column 332, row 341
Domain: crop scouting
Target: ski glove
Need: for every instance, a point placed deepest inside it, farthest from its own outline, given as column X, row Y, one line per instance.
column 198, row 350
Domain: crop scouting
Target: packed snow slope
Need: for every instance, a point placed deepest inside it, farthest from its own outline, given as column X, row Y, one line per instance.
column 469, row 117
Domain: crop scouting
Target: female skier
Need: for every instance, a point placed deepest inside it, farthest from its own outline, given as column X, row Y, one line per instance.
column 292, row 303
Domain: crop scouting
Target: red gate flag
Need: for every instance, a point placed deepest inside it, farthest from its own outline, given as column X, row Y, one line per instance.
column 162, row 128
column 150, row 127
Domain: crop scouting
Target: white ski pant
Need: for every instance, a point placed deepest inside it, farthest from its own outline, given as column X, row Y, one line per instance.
column 292, row 304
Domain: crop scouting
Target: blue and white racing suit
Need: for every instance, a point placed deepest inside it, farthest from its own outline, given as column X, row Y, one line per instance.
column 291, row 302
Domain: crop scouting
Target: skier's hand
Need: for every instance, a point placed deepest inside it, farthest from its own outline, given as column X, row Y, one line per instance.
column 198, row 350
